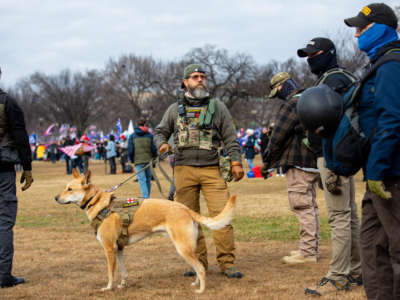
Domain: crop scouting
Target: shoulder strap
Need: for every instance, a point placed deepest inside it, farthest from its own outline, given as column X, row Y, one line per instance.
column 348, row 74
column 390, row 55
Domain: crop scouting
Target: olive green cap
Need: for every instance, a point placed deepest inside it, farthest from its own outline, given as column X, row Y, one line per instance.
column 276, row 81
column 191, row 69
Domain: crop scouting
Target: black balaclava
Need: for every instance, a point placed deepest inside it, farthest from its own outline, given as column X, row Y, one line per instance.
column 323, row 62
column 287, row 88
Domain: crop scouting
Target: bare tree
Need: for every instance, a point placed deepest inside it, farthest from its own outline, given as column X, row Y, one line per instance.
column 64, row 98
column 131, row 79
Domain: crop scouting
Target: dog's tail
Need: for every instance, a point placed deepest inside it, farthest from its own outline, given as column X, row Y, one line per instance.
column 219, row 221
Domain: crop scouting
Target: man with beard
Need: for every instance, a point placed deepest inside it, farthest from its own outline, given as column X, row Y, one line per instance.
column 345, row 266
column 286, row 148
column 200, row 125
column 379, row 113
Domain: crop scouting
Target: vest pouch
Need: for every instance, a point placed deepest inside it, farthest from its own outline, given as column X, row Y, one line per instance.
column 9, row 155
column 225, row 168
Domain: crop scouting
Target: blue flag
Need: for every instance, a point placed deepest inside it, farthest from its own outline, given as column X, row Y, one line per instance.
column 119, row 127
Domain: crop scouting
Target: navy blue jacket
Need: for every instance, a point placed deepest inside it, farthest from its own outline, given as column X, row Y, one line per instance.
column 138, row 134
column 380, row 110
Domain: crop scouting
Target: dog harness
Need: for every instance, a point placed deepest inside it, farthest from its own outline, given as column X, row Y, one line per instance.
column 126, row 209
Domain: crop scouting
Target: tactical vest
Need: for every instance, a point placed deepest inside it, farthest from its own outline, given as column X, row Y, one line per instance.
column 195, row 128
column 126, row 209
column 143, row 153
column 3, row 124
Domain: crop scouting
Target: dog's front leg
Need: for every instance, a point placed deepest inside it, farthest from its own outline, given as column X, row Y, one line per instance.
column 122, row 269
column 111, row 261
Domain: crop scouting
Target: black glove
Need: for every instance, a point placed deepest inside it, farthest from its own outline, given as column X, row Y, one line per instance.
column 265, row 171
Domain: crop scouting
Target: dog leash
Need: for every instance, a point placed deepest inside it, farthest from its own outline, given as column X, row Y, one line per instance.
column 153, row 161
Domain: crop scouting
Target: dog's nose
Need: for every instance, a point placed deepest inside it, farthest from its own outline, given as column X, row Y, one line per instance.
column 56, row 198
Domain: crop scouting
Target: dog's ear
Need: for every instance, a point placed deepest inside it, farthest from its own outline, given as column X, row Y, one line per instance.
column 75, row 173
column 87, row 177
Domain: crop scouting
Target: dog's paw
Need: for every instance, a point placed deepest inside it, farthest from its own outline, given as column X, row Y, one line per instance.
column 105, row 289
column 122, row 285
column 199, row 291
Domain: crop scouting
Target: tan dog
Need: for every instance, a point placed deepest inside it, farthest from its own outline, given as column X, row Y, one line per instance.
column 154, row 215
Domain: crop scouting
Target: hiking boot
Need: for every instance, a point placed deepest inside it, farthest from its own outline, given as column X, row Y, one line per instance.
column 327, row 286
column 232, row 272
column 11, row 281
column 356, row 281
column 294, row 253
column 299, row 259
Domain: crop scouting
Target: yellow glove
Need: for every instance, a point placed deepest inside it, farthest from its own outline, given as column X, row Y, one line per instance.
column 237, row 170
column 27, row 177
column 378, row 188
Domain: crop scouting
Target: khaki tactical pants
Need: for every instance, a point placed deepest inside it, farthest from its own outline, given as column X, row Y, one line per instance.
column 302, row 196
column 189, row 181
column 345, row 228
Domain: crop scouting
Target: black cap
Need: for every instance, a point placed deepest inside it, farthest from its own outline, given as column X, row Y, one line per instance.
column 375, row 12
column 315, row 45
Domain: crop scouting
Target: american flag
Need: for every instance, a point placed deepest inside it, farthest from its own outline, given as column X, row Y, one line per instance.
column 49, row 130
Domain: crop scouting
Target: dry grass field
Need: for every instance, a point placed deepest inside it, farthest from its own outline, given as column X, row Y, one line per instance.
column 57, row 253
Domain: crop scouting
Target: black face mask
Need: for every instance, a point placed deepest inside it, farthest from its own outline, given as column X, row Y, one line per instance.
column 322, row 62
column 287, row 88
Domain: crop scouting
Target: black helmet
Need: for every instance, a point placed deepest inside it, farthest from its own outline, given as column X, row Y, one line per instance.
column 320, row 109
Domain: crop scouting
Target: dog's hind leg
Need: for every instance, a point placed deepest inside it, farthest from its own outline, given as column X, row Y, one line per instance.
column 184, row 239
column 122, row 269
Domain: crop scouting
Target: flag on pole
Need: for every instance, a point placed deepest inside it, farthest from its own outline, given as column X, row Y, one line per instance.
column 50, row 130
column 130, row 128
column 119, row 127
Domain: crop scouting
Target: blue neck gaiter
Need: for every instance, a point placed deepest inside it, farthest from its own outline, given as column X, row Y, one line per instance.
column 375, row 37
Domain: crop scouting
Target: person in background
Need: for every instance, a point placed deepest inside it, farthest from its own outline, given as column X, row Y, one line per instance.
column 249, row 148
column 141, row 150
column 111, row 154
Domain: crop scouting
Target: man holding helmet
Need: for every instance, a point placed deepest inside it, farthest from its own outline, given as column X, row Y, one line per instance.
column 286, row 149
column 345, row 265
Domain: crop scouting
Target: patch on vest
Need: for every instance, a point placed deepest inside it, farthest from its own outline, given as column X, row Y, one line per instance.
column 131, row 202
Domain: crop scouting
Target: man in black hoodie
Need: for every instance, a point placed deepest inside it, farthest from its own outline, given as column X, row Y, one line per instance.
column 13, row 139
column 345, row 266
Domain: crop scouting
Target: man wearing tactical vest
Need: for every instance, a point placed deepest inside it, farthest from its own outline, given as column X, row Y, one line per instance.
column 141, row 150
column 14, row 144
column 200, row 125
column 286, row 149
column 345, row 265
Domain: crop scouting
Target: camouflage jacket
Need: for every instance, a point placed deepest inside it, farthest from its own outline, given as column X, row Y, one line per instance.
column 223, row 135
column 286, row 147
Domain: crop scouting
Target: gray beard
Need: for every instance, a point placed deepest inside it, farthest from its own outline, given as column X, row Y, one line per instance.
column 200, row 93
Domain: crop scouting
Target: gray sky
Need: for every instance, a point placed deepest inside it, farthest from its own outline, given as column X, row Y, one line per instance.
column 51, row 35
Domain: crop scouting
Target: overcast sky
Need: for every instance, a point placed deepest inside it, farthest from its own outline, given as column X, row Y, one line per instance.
column 52, row 35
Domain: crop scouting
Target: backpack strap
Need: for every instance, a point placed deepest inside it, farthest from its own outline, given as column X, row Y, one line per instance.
column 324, row 76
column 391, row 55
